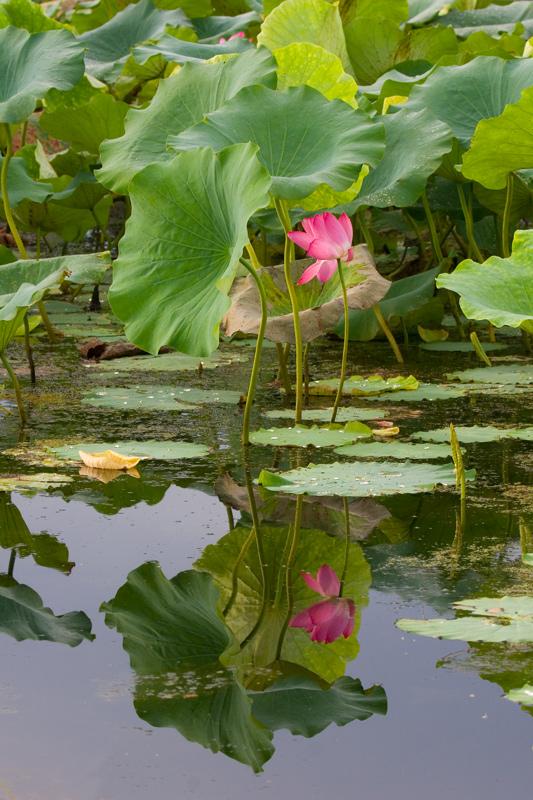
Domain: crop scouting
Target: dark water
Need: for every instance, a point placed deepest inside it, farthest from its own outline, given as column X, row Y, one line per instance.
column 69, row 729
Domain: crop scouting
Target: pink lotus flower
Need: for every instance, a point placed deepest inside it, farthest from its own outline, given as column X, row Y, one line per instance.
column 327, row 239
column 239, row 35
column 330, row 619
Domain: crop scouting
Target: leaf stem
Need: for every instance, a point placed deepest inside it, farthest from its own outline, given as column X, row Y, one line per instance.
column 253, row 268
column 466, row 206
column 288, row 258
column 388, row 333
column 346, row 543
column 283, row 375
column 16, row 386
column 5, row 196
column 296, row 525
column 506, row 248
column 28, row 348
column 437, row 249
column 345, row 343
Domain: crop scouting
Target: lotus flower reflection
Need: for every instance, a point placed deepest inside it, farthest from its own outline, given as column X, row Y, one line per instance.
column 327, row 239
column 330, row 619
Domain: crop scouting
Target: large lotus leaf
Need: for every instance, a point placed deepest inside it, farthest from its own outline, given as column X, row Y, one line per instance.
column 90, row 14
column 78, row 269
column 211, row 28
column 108, row 47
column 321, row 304
column 168, row 623
column 13, row 312
column 174, row 637
column 396, row 450
column 493, row 619
column 462, row 96
column 180, row 51
column 240, row 576
column 171, row 362
column 299, row 156
column 398, row 81
column 26, row 14
column 302, row 706
column 502, row 144
column 492, row 20
column 85, row 128
column 22, row 186
column 395, row 10
column 403, row 297
column 48, row 552
column 312, row 21
column 415, row 143
column 501, row 289
column 184, row 237
column 361, row 479
column 23, row 616
column 507, row 375
column 315, row 436
column 324, row 414
column 476, row 433
column 308, row 64
column 158, row 398
column 373, row 385
column 31, row 64
column 150, row 449
column 372, row 43
column 180, row 102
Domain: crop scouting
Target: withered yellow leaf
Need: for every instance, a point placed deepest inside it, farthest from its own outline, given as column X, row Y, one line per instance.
column 107, row 475
column 383, row 433
column 108, row 459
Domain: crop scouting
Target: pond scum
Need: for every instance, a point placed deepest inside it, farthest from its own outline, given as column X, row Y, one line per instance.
column 279, row 253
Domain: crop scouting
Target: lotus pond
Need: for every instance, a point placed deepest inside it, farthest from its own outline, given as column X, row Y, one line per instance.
column 266, row 319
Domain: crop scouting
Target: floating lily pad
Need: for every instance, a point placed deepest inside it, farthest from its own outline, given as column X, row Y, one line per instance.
column 38, row 482
column 510, row 374
column 358, row 385
column 476, row 433
column 316, row 436
column 461, row 347
column 524, row 695
column 361, row 479
column 493, row 619
column 158, row 398
column 324, row 414
column 160, row 451
column 398, row 450
column 171, row 362
column 425, row 391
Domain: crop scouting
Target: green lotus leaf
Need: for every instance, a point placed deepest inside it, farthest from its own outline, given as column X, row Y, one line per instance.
column 47, row 552
column 23, row 616
column 395, row 10
column 492, row 20
column 308, row 64
column 415, row 143
column 425, row 391
column 462, row 96
column 26, row 14
column 404, row 297
column 397, row 450
column 524, row 695
column 364, row 387
column 476, row 433
column 235, row 571
column 158, row 398
column 501, row 289
column 151, row 449
column 315, row 436
column 310, row 21
column 493, row 619
column 361, row 478
column 189, row 223
column 171, row 362
column 211, row 28
column 502, row 144
column 6, row 255
column 85, row 129
column 180, row 102
column 12, row 313
column 90, row 14
column 421, row 11
column 108, row 47
column 299, row 156
column 22, row 186
column 507, row 375
column 372, row 43
column 78, row 269
column 398, row 81
column 180, row 51
column 174, row 637
column 13, row 529
column 301, row 705
column 31, row 64
column 324, row 414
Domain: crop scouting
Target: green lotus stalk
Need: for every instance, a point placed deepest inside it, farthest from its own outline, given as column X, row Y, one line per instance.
column 16, row 386
column 506, row 245
column 295, row 540
column 28, row 348
column 437, row 249
column 5, row 197
column 253, row 268
column 346, row 543
column 388, row 333
column 283, row 374
column 345, row 343
column 256, row 527
column 288, row 258
column 466, row 206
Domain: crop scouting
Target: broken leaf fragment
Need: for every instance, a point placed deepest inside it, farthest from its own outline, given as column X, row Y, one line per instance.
column 109, row 460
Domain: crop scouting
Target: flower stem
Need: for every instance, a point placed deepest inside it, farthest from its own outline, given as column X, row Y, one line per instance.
column 253, row 270
column 296, row 525
column 388, row 333
column 506, row 249
column 288, row 258
column 437, row 249
column 256, row 529
column 466, row 207
column 344, row 344
column 346, row 543
column 283, row 375
column 16, row 386
column 5, row 197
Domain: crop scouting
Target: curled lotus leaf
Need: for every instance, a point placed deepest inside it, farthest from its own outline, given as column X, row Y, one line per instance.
column 321, row 305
